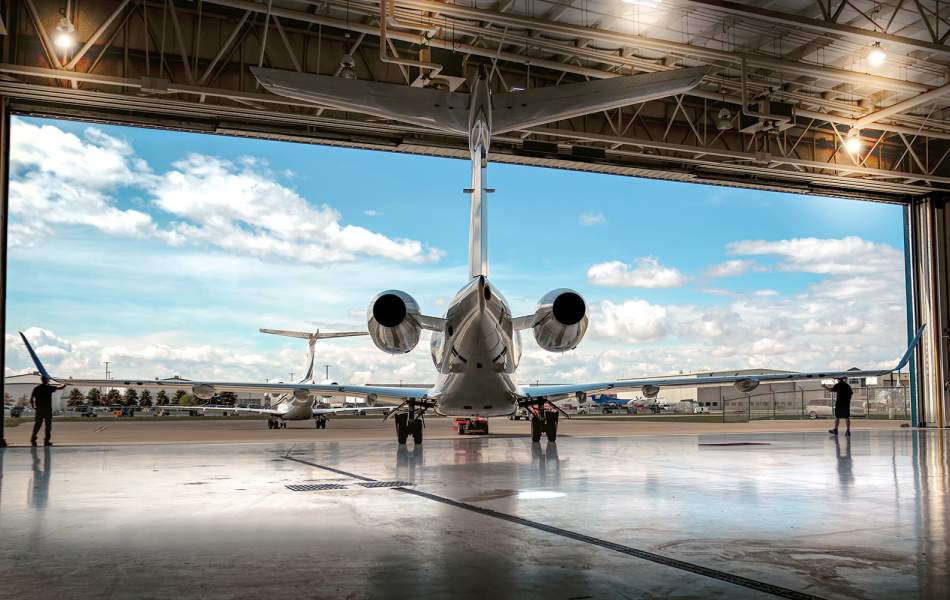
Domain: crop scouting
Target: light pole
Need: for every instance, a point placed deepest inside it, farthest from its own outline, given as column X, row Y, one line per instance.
column 291, row 377
column 327, row 368
column 106, row 363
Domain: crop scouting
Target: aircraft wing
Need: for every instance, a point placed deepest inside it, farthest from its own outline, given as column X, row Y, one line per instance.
column 420, row 106
column 336, row 411
column 397, row 394
column 205, row 408
column 519, row 110
column 547, row 391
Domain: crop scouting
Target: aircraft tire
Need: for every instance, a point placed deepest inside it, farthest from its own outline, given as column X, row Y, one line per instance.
column 417, row 431
column 550, row 427
column 535, row 429
column 402, row 428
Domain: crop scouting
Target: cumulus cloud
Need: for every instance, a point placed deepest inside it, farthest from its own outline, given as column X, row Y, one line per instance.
column 845, row 256
column 645, row 272
column 731, row 268
column 357, row 362
column 837, row 321
column 242, row 208
column 59, row 178
column 592, row 219
column 632, row 321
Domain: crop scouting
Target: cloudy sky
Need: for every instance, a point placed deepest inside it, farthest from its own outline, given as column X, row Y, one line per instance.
column 165, row 252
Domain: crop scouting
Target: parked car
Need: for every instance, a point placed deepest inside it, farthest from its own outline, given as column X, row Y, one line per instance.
column 826, row 411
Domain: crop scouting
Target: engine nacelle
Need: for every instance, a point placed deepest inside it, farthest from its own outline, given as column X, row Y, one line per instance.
column 560, row 320
column 650, row 391
column 301, row 395
column 203, row 391
column 746, row 385
column 392, row 322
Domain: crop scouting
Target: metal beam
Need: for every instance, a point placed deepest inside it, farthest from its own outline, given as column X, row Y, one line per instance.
column 818, row 26
column 893, row 109
column 96, row 35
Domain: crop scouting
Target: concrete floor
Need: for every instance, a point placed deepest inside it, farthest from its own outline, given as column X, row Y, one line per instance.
column 801, row 516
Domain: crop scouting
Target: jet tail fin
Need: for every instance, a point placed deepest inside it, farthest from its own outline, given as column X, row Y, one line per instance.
column 36, row 359
column 312, row 338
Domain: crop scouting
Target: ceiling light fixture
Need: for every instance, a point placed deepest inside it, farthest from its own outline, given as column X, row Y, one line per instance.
column 65, row 37
column 348, row 67
column 852, row 142
column 876, row 56
column 724, row 119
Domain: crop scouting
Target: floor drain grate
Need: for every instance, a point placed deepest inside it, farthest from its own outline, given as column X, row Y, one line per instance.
column 316, row 487
column 381, row 484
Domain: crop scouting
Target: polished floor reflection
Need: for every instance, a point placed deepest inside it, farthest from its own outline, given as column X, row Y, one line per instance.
column 722, row 516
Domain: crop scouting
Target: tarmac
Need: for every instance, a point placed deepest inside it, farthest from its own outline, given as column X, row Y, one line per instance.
column 196, row 430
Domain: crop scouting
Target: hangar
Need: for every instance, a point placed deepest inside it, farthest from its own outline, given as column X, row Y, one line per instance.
column 821, row 97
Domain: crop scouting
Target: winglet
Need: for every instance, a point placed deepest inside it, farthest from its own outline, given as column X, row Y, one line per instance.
column 36, row 359
column 910, row 349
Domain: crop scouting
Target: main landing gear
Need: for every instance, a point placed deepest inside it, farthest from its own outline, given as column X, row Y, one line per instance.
column 320, row 422
column 409, row 423
column 543, row 421
column 273, row 423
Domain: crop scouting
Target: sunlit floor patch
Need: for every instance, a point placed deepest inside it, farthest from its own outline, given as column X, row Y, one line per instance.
column 539, row 495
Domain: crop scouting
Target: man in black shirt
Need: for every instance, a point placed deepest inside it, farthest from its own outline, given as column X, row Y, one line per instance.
column 843, row 393
column 42, row 402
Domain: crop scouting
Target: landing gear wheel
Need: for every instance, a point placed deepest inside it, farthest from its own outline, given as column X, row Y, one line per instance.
column 536, row 427
column 402, row 428
column 550, row 426
column 416, row 427
column 283, row 425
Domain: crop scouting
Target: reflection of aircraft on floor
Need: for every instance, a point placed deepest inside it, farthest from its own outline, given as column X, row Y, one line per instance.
column 298, row 405
column 476, row 345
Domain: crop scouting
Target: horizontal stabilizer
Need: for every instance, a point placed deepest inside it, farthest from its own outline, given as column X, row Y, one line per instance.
column 438, row 109
column 317, row 335
column 519, row 110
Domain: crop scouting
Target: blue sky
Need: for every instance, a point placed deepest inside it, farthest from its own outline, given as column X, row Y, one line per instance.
column 147, row 248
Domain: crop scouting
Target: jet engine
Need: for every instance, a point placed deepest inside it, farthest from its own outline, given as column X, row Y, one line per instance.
column 745, row 386
column 203, row 391
column 392, row 322
column 560, row 320
column 650, row 391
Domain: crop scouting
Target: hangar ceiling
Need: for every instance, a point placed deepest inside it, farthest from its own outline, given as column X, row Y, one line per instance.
column 794, row 100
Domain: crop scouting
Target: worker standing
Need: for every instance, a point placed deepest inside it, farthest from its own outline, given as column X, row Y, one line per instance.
column 843, row 393
column 42, row 402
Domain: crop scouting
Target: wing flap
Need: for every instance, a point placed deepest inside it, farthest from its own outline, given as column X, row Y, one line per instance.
column 519, row 110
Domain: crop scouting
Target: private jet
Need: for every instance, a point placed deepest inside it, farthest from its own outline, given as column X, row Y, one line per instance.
column 476, row 344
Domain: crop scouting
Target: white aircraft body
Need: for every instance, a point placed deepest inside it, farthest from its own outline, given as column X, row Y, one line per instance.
column 476, row 345
column 296, row 406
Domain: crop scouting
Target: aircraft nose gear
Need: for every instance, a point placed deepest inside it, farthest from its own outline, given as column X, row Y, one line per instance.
column 543, row 420
column 410, row 423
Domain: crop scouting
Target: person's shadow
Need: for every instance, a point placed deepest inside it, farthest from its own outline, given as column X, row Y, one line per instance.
column 38, row 494
column 845, row 473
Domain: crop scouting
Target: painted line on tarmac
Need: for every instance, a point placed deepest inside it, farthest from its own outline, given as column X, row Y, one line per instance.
column 753, row 584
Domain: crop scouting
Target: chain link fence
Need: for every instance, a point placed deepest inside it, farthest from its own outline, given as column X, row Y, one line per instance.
column 867, row 403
